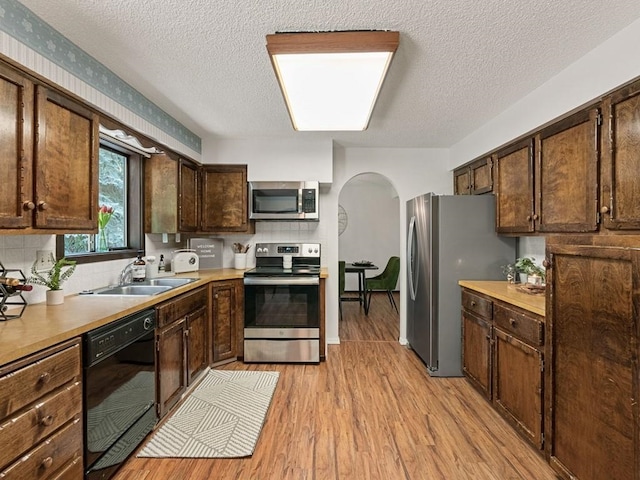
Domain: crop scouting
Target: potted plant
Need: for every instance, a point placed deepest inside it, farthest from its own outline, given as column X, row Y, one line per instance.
column 525, row 267
column 53, row 278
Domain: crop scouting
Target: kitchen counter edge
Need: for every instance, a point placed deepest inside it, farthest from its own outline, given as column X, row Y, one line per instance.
column 507, row 292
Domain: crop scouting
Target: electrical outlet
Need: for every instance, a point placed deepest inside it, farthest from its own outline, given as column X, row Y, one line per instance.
column 44, row 260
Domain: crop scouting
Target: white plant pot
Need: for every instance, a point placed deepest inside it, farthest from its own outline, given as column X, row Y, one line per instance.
column 55, row 297
column 523, row 277
column 240, row 261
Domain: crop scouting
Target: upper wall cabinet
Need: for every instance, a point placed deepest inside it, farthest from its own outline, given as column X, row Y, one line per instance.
column 620, row 171
column 171, row 195
column 52, row 183
column 567, row 174
column 474, row 178
column 16, row 149
column 515, row 206
column 224, row 199
column 549, row 184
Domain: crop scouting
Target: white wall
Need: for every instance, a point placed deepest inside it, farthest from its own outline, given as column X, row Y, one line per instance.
column 372, row 207
column 274, row 160
column 609, row 65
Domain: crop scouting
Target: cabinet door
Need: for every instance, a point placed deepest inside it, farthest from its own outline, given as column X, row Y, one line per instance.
column 66, row 164
column 171, row 362
column 224, row 198
column 481, row 172
column 198, row 343
column 224, row 312
column 160, row 194
column 189, row 196
column 476, row 352
column 620, row 178
column 592, row 353
column 517, row 384
column 16, row 149
column 462, row 181
column 514, row 189
column 567, row 174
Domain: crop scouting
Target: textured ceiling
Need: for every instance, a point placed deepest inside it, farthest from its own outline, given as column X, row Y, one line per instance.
column 459, row 64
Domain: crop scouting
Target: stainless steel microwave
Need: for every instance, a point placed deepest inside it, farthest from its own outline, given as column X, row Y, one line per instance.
column 284, row 200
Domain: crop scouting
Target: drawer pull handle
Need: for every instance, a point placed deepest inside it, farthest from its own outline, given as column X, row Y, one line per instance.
column 473, row 304
column 45, row 378
column 46, row 421
column 47, row 462
column 512, row 322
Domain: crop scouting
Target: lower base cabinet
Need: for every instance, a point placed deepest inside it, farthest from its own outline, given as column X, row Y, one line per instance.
column 225, row 308
column 503, row 359
column 41, row 415
column 182, row 345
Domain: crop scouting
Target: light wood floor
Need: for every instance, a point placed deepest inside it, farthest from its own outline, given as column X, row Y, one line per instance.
column 369, row 412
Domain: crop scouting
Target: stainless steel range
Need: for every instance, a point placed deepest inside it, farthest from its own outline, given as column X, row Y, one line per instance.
column 282, row 304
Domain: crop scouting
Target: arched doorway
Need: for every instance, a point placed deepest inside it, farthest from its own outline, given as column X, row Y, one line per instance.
column 369, row 230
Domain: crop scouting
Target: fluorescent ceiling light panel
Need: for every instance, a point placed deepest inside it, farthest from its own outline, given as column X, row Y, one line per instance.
column 330, row 81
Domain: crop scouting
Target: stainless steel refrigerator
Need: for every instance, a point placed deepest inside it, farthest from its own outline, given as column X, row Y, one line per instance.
column 449, row 238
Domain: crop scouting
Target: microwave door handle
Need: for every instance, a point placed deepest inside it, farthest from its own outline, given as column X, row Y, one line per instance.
column 300, row 193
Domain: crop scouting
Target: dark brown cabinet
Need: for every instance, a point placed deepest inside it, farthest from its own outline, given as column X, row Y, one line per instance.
column 515, row 206
column 518, row 370
column 225, row 199
column 50, row 158
column 41, row 415
column 171, row 195
column 477, row 333
column 592, row 413
column 620, row 168
column 474, row 178
column 567, row 174
column 503, row 359
column 182, row 345
column 224, row 319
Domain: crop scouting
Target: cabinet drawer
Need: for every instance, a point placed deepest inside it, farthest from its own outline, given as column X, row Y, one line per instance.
column 523, row 325
column 479, row 305
column 45, row 460
column 176, row 309
column 19, row 433
column 24, row 385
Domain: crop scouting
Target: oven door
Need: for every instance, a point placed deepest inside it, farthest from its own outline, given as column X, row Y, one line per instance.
column 282, row 319
column 282, row 302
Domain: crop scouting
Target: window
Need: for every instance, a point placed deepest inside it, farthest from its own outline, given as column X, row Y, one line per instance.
column 120, row 193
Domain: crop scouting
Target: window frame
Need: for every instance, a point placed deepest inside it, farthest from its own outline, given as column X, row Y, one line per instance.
column 135, row 216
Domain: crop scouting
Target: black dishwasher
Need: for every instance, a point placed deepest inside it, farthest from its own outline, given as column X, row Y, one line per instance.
column 119, row 391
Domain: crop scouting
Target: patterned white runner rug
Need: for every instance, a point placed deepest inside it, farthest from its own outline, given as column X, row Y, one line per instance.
column 221, row 418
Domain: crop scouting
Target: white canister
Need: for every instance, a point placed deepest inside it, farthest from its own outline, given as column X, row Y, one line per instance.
column 240, row 261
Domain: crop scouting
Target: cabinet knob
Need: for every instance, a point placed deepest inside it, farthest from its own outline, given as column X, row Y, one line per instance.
column 528, row 218
column 46, row 421
column 512, row 322
column 545, row 263
column 29, row 205
column 47, row 462
column 42, row 206
column 604, row 209
column 535, row 216
column 45, row 378
column 473, row 304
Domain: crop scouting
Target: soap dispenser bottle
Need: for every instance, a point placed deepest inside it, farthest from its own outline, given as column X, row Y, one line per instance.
column 161, row 265
column 139, row 269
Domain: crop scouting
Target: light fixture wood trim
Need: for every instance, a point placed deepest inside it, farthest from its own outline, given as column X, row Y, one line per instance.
column 333, row 42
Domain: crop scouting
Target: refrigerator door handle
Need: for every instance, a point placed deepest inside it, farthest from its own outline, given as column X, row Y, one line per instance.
column 410, row 260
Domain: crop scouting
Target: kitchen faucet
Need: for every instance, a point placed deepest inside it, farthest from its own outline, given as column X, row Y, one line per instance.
column 127, row 272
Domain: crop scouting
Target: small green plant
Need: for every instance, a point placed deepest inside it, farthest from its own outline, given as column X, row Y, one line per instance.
column 53, row 278
column 527, row 265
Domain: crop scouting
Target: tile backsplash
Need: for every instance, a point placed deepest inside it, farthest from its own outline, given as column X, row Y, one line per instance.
column 19, row 252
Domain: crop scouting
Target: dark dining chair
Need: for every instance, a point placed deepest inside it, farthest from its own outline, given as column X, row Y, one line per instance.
column 386, row 281
column 341, row 267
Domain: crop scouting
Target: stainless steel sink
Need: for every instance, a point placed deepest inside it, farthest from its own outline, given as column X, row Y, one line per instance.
column 132, row 289
column 149, row 287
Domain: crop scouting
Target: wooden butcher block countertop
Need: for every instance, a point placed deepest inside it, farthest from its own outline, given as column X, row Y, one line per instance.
column 508, row 292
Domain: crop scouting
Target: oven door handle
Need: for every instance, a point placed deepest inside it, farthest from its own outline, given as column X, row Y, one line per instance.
column 282, row 281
